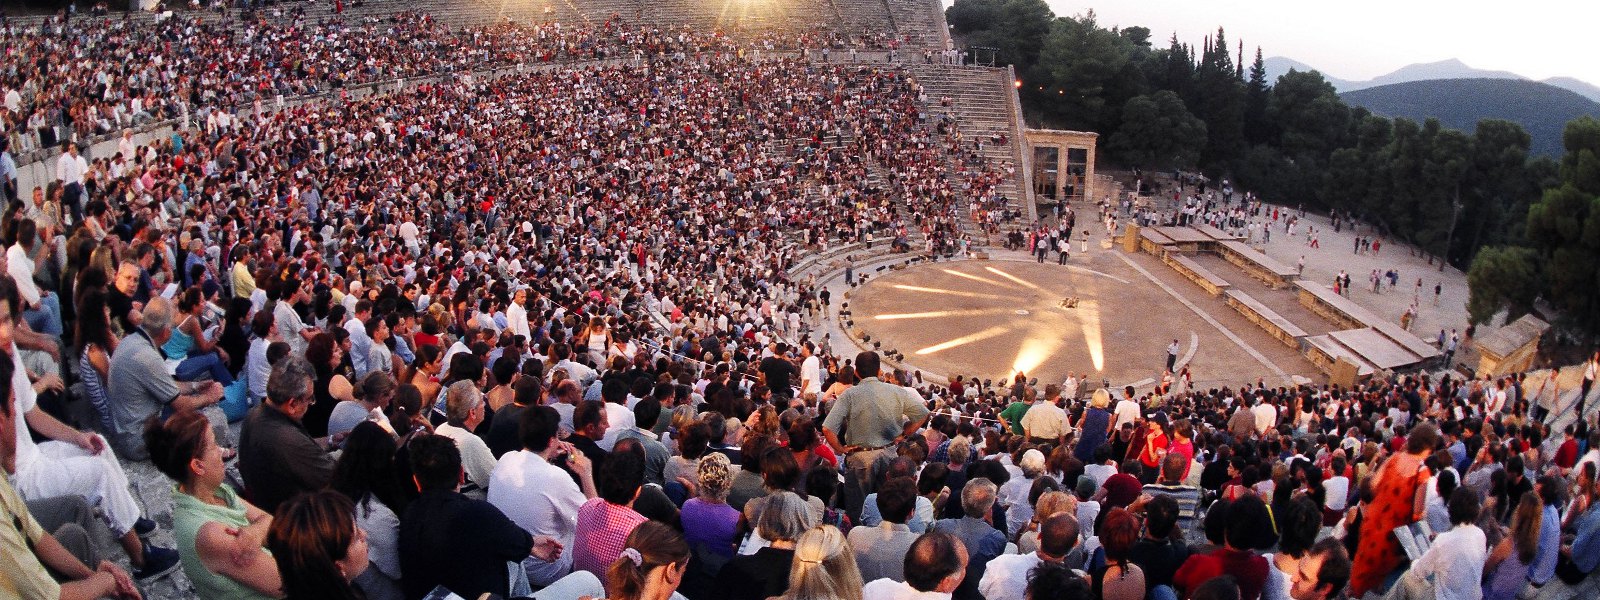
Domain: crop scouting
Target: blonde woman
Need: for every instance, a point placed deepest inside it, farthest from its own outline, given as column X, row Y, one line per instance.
column 824, row 567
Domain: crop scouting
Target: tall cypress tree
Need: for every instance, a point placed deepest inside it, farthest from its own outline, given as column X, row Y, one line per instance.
column 1256, row 91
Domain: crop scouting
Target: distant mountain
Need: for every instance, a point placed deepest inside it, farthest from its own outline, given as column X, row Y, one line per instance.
column 1278, row 66
column 1542, row 109
column 1584, row 88
column 1444, row 69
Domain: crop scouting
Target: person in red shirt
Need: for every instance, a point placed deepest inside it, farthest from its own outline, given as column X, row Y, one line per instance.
column 1567, row 455
column 1155, row 447
column 1243, row 533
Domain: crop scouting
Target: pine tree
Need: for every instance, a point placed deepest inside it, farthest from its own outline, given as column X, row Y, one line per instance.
column 1256, row 92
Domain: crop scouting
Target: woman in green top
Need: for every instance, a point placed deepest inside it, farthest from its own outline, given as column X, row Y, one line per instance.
column 220, row 536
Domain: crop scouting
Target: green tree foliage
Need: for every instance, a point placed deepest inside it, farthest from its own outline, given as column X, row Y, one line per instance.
column 1255, row 102
column 1016, row 27
column 1218, row 99
column 1564, row 227
column 1083, row 61
column 1158, row 132
column 1502, row 277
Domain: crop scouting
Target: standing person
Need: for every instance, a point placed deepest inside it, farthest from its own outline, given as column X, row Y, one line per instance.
column 1094, row 427
column 71, row 171
column 1590, row 370
column 1172, row 355
column 872, row 416
column 1402, row 482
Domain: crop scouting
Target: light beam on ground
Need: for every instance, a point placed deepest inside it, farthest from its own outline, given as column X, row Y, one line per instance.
column 1033, row 353
column 966, row 339
column 972, row 277
column 914, row 288
column 976, row 312
column 1019, row 280
column 1089, row 312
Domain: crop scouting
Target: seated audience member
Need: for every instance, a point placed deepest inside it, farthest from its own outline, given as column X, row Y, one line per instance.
column 650, row 566
column 526, row 393
column 1006, row 577
column 1241, row 534
column 464, row 410
column 934, row 564
column 317, row 546
column 824, row 567
column 881, row 550
column 646, row 413
column 1162, row 549
column 589, row 422
column 1057, row 581
column 710, row 525
column 366, row 475
column 32, row 546
column 1322, row 573
column 219, row 535
column 277, row 458
column 765, row 573
column 982, row 541
column 71, row 462
column 139, row 386
column 537, row 494
column 1119, row 578
column 605, row 522
column 448, row 539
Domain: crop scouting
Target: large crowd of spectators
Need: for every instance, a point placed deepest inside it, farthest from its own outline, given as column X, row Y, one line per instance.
column 537, row 335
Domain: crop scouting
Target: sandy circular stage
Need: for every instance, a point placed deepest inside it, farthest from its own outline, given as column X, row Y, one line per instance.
column 991, row 319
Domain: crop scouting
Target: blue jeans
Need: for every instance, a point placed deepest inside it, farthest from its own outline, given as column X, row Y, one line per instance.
column 47, row 318
column 203, row 366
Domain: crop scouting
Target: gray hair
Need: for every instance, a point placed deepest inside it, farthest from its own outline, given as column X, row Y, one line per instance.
column 977, row 497
column 460, row 399
column 158, row 316
column 291, row 378
column 784, row 516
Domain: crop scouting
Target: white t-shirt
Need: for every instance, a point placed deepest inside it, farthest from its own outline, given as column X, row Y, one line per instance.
column 1127, row 412
column 811, row 374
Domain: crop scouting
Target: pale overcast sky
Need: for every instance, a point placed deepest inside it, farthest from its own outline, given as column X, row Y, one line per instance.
column 1361, row 39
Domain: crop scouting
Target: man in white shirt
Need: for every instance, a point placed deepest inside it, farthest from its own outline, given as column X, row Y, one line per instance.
column 934, row 566
column 537, row 494
column 1127, row 410
column 1266, row 416
column 72, row 170
column 517, row 315
column 1454, row 563
column 1006, row 577
column 810, row 372
column 40, row 308
column 360, row 342
column 464, row 411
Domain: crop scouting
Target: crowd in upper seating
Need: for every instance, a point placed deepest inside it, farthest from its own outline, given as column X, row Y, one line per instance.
column 538, row 335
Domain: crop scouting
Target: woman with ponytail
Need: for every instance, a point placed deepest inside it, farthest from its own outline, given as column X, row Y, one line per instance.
column 651, row 565
column 824, row 567
column 318, row 547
